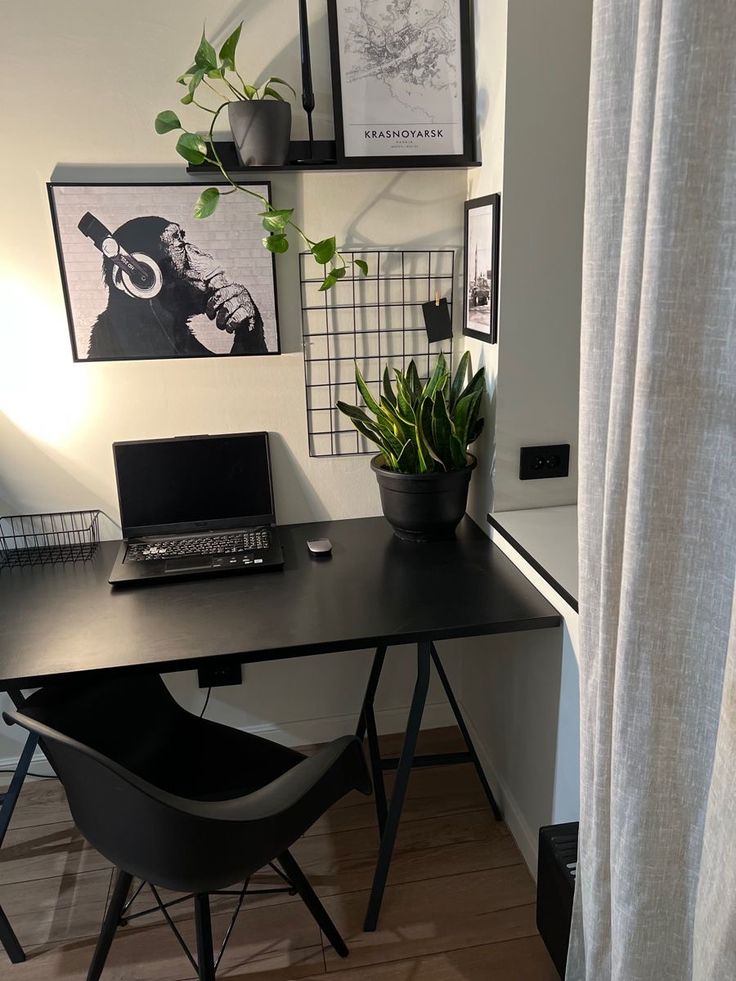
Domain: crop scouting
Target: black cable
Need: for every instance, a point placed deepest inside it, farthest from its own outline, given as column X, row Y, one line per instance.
column 206, row 702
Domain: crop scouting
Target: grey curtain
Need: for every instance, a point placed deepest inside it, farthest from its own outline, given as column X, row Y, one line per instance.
column 656, row 894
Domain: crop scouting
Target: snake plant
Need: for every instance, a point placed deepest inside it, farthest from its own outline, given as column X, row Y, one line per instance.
column 422, row 427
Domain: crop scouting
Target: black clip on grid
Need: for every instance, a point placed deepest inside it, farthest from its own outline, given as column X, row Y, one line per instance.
column 372, row 320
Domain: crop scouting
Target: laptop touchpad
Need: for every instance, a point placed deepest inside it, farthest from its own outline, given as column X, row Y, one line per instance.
column 188, row 565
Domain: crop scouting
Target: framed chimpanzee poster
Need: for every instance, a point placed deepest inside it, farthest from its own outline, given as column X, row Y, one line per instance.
column 143, row 278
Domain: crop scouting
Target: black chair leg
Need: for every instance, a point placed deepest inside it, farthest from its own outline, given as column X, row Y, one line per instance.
column 110, row 924
column 379, row 787
column 9, row 798
column 203, row 924
column 9, row 940
column 311, row 901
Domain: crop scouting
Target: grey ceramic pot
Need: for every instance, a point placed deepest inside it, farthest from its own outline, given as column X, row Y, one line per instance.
column 261, row 131
column 423, row 507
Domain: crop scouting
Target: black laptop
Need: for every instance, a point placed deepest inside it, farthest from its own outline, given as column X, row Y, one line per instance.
column 195, row 506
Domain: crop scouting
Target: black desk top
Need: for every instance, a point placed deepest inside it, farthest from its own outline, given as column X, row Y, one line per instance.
column 57, row 620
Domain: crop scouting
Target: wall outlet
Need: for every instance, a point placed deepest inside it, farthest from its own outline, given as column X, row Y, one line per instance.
column 538, row 462
column 220, row 674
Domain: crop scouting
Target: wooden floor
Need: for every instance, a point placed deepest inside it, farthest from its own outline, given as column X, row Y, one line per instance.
column 459, row 905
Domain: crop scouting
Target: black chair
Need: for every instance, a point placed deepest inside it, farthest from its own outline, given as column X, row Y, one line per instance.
column 184, row 803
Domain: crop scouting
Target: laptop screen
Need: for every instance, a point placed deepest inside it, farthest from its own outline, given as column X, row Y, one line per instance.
column 194, row 483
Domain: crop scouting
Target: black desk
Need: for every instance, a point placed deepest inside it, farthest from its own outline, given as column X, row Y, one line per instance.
column 60, row 622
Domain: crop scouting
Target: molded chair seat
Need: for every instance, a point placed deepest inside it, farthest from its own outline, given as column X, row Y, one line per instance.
column 181, row 802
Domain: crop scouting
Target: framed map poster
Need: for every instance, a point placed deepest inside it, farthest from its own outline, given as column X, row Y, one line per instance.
column 403, row 79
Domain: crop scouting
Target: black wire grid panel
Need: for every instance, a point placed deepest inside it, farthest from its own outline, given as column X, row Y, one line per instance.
column 370, row 320
column 46, row 539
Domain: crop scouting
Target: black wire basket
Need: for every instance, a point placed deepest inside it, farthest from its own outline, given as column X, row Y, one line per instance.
column 47, row 539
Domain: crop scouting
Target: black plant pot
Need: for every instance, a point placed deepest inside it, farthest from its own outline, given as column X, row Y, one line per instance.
column 261, row 131
column 423, row 507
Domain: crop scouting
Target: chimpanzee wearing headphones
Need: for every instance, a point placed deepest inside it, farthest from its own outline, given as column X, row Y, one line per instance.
column 157, row 281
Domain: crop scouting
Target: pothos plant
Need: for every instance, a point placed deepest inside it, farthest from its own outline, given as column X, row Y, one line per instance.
column 217, row 78
column 422, row 427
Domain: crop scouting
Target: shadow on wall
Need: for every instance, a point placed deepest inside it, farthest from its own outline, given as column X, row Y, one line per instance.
column 390, row 198
column 54, row 475
column 480, row 498
column 288, row 476
column 511, row 694
column 482, row 108
column 312, row 699
column 391, row 205
column 287, row 61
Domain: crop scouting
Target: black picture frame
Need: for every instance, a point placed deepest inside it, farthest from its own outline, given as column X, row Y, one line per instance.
column 469, row 154
column 61, row 226
column 472, row 238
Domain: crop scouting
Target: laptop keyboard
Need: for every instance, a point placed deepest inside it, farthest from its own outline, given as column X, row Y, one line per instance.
column 251, row 540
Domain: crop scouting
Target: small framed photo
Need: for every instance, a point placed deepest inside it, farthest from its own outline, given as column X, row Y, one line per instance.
column 403, row 82
column 482, row 237
column 144, row 279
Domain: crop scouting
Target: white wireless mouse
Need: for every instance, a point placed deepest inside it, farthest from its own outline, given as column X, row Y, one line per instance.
column 320, row 546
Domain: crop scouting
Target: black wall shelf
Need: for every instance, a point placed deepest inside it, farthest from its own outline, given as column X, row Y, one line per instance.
column 324, row 159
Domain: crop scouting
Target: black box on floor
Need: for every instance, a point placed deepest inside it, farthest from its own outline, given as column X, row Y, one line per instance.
column 557, row 865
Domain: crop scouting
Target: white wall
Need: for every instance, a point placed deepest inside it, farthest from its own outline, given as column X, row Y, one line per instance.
column 533, row 60
column 548, row 726
column 85, row 111
column 519, row 692
column 548, row 64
